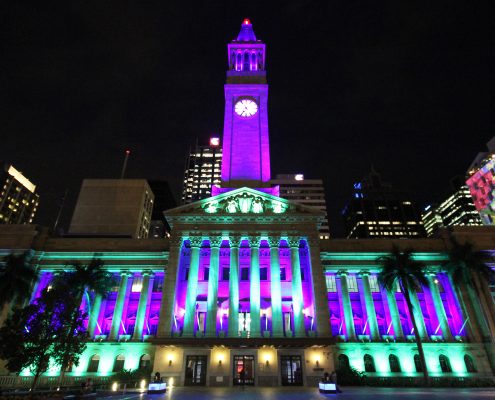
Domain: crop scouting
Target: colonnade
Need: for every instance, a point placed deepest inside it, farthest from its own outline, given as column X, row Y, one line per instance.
column 254, row 243
column 393, row 310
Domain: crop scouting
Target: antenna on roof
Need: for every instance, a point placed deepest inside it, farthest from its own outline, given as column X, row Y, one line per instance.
column 124, row 166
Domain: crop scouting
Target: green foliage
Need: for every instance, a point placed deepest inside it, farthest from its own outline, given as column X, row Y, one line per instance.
column 349, row 376
column 16, row 278
column 464, row 261
column 133, row 377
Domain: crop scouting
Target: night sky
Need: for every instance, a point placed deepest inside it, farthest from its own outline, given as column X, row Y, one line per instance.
column 404, row 86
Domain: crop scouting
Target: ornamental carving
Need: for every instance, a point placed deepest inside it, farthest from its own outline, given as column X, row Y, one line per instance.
column 215, row 241
column 294, row 241
column 196, row 241
column 245, row 203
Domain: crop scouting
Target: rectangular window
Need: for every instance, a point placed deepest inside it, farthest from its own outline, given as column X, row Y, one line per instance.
column 244, row 274
column 263, row 274
column 302, row 274
column 158, row 284
column 186, row 274
column 137, row 284
column 374, row 286
column 225, row 274
column 283, row 276
column 352, row 283
column 206, row 274
column 331, row 285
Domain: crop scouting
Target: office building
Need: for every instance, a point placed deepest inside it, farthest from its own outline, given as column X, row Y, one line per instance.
column 18, row 198
column 203, row 170
column 164, row 200
column 457, row 210
column 113, row 207
column 378, row 210
column 308, row 192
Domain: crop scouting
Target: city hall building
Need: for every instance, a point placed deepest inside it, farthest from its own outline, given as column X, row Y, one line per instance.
column 245, row 290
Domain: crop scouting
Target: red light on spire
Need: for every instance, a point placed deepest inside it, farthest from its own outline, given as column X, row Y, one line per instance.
column 246, row 21
column 127, row 152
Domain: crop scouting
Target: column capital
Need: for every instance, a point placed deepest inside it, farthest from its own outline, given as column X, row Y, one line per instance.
column 364, row 272
column 273, row 241
column 215, row 242
column 254, row 241
column 235, row 241
column 148, row 273
column 430, row 273
column 342, row 272
column 293, row 241
column 125, row 273
column 195, row 241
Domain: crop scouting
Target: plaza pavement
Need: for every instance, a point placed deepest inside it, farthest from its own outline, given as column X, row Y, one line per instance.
column 296, row 393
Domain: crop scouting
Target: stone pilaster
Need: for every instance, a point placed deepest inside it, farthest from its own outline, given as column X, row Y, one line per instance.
column 212, row 298
column 94, row 314
column 254, row 287
column 234, row 287
column 192, row 287
column 275, row 286
column 370, row 307
column 439, row 309
column 119, row 306
column 144, row 299
column 297, row 295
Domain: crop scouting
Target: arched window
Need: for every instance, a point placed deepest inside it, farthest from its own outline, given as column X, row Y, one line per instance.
column 369, row 363
column 445, row 363
column 394, row 363
column 118, row 365
column 470, row 367
column 343, row 362
column 145, row 361
column 245, row 63
column 94, row 362
column 417, row 363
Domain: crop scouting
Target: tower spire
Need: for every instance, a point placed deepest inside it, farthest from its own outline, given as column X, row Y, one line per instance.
column 246, row 34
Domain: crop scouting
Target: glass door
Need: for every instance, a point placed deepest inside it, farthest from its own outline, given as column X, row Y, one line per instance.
column 195, row 371
column 244, row 370
column 291, row 369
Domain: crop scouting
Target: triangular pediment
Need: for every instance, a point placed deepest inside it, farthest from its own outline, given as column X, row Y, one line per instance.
column 243, row 201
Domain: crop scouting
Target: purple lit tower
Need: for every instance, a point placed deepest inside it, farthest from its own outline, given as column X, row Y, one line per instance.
column 246, row 149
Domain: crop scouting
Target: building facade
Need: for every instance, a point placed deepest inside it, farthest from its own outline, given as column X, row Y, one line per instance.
column 203, row 170
column 113, row 207
column 377, row 210
column 18, row 198
column 481, row 183
column 308, row 192
column 245, row 292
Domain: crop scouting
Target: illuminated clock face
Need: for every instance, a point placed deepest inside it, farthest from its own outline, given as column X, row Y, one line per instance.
column 246, row 108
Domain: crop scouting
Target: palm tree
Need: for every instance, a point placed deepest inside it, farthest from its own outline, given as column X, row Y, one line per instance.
column 16, row 279
column 470, row 274
column 400, row 268
column 77, row 282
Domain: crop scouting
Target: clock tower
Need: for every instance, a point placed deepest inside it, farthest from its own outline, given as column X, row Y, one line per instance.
column 246, row 150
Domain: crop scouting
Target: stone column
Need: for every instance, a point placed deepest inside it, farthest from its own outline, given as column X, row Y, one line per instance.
column 94, row 314
column 394, row 314
column 370, row 306
column 346, row 305
column 276, row 288
column 144, row 299
column 297, row 295
column 234, row 287
column 254, row 287
column 439, row 309
column 192, row 287
column 320, row 292
column 212, row 298
column 119, row 306
column 167, row 303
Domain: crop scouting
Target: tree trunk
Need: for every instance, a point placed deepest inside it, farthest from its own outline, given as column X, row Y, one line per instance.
column 35, row 380
column 417, row 337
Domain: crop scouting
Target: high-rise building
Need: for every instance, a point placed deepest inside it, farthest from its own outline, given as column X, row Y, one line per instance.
column 164, row 200
column 113, row 207
column 376, row 210
column 18, row 198
column 308, row 192
column 481, row 183
column 203, row 170
column 244, row 292
column 457, row 210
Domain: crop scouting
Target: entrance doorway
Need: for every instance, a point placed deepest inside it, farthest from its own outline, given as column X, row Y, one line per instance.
column 195, row 371
column 291, row 369
column 243, row 370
